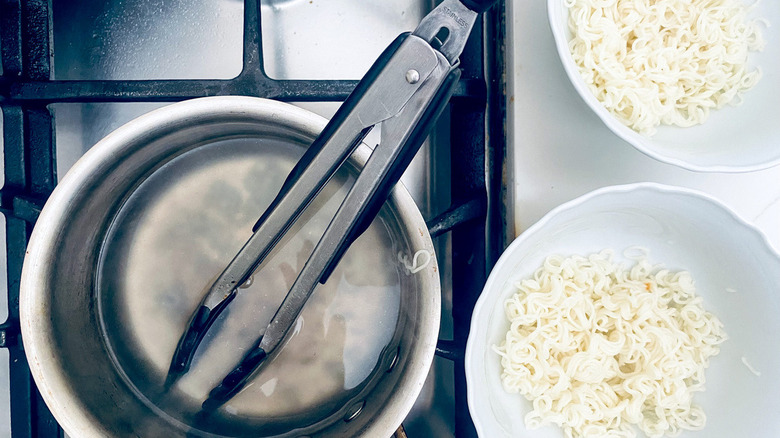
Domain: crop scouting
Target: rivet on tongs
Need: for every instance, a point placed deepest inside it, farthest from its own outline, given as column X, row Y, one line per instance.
column 412, row 76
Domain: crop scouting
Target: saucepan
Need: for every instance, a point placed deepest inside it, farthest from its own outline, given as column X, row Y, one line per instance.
column 142, row 224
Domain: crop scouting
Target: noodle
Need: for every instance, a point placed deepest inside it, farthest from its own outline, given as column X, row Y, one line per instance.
column 597, row 348
column 750, row 367
column 653, row 62
column 414, row 266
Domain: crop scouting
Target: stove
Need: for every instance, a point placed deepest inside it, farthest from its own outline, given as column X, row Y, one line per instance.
column 73, row 72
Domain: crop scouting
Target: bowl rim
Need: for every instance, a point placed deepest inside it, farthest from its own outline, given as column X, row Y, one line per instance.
column 475, row 399
column 641, row 143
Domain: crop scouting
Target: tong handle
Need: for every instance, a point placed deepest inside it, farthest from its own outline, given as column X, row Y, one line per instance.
column 408, row 150
column 344, row 112
column 401, row 136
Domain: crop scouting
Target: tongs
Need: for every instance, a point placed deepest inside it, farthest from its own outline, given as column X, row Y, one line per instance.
column 405, row 91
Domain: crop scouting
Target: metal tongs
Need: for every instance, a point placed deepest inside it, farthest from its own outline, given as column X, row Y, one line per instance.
column 405, row 91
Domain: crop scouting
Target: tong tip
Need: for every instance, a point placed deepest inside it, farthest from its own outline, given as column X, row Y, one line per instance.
column 199, row 324
column 170, row 379
column 188, row 343
column 235, row 381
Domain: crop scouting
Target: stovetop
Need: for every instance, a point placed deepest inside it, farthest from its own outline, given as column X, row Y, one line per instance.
column 115, row 60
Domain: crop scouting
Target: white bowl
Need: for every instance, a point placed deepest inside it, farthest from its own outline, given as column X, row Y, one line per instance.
column 735, row 270
column 733, row 139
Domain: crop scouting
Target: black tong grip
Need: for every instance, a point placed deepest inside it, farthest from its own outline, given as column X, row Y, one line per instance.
column 199, row 324
column 236, row 379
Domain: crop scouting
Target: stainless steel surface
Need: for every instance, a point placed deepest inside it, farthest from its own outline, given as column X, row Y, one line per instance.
column 451, row 21
column 147, row 39
column 331, row 39
column 5, row 402
column 67, row 354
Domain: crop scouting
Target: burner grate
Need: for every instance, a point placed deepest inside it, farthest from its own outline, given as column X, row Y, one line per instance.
column 475, row 220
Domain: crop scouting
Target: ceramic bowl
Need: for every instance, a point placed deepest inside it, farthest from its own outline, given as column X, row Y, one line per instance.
column 733, row 139
column 734, row 268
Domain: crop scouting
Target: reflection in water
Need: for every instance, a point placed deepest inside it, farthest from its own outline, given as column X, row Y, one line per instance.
column 174, row 236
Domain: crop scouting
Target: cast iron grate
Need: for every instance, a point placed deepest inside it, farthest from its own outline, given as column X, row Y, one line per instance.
column 26, row 90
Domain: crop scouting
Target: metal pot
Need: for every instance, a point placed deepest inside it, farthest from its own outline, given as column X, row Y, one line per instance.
column 98, row 383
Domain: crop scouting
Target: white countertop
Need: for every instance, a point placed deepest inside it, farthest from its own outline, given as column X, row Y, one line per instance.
column 558, row 149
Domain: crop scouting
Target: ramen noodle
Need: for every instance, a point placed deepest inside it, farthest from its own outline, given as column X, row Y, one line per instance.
column 599, row 349
column 664, row 61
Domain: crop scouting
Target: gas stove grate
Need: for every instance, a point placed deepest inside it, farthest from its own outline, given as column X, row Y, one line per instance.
column 477, row 149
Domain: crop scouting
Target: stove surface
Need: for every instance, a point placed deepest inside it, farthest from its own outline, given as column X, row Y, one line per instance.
column 202, row 39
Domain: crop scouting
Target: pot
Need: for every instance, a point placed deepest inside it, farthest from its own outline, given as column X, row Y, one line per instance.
column 134, row 234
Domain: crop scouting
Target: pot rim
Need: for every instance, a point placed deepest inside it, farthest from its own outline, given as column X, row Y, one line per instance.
column 34, row 306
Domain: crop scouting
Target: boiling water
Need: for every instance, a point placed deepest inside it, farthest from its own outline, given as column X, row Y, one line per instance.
column 178, row 231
